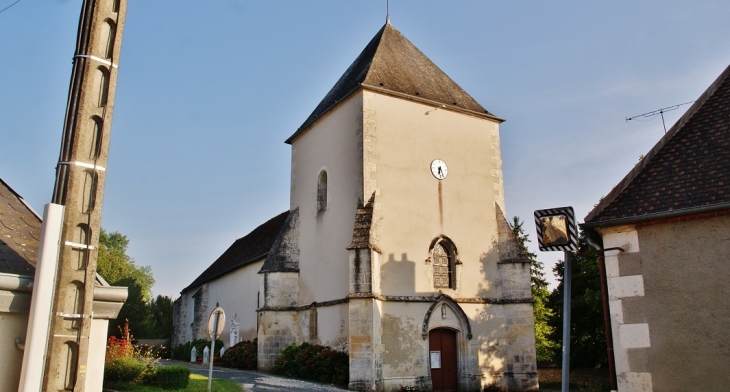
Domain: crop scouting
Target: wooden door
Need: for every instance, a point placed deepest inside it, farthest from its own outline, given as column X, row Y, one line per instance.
column 442, row 353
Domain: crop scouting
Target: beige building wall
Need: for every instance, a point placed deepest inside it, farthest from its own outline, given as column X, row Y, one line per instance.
column 412, row 207
column 333, row 144
column 12, row 325
column 669, row 297
column 14, row 312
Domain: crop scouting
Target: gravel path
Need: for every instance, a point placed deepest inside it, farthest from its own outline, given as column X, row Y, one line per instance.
column 253, row 380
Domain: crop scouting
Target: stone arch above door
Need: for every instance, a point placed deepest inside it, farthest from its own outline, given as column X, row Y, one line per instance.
column 461, row 322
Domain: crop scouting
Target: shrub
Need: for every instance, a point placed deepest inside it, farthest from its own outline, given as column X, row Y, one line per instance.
column 173, row 377
column 313, row 362
column 122, row 369
column 243, row 355
column 124, row 362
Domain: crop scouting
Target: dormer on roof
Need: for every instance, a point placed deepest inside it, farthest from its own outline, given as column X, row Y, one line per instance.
column 391, row 64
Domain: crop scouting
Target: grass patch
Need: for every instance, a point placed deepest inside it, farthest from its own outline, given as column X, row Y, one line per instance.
column 197, row 383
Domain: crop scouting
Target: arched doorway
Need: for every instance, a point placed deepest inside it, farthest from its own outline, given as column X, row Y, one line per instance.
column 443, row 359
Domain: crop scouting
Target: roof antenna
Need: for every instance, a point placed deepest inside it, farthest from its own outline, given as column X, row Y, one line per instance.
column 387, row 11
column 660, row 112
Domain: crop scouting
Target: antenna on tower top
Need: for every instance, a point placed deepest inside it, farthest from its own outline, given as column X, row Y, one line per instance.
column 660, row 112
column 387, row 11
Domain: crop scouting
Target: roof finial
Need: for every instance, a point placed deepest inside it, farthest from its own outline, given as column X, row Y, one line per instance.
column 387, row 11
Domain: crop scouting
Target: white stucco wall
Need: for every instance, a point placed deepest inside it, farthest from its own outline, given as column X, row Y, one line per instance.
column 333, row 334
column 333, row 144
column 237, row 294
column 97, row 355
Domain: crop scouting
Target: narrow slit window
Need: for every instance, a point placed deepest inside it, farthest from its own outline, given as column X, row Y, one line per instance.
column 322, row 191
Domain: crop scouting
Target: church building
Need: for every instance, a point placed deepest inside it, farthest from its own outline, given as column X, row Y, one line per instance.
column 395, row 247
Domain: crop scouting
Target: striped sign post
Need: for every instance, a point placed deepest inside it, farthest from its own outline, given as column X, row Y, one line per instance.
column 557, row 231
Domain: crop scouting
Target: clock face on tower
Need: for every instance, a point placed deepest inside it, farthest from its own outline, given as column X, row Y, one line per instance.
column 439, row 169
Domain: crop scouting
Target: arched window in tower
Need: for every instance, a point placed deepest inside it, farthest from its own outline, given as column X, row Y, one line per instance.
column 322, row 191
column 443, row 256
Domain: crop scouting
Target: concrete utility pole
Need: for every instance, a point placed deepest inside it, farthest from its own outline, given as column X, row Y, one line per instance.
column 80, row 177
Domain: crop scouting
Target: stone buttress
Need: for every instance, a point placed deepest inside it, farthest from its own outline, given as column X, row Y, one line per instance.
column 279, row 294
column 520, row 361
column 364, row 314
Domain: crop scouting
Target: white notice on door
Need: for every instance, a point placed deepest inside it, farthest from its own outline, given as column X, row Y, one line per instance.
column 435, row 359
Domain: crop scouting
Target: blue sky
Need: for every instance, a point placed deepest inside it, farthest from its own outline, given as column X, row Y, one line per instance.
column 209, row 90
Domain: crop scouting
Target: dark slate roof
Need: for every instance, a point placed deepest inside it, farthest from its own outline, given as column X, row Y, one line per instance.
column 20, row 229
column 391, row 63
column 688, row 169
column 253, row 247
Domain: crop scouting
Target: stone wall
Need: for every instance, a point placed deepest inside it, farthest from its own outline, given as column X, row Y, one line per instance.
column 279, row 289
column 201, row 312
column 277, row 329
column 278, row 321
column 520, row 361
column 366, row 360
column 179, row 317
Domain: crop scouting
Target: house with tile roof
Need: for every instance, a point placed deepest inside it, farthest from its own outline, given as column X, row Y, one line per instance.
column 668, row 225
column 20, row 233
column 395, row 247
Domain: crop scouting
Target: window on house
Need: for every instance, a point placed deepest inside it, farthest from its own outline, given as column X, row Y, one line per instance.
column 444, row 265
column 322, row 191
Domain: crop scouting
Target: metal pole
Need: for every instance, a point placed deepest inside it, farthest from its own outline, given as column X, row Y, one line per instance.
column 212, row 350
column 566, row 323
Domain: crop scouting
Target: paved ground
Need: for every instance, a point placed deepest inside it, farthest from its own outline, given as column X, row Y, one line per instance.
column 256, row 381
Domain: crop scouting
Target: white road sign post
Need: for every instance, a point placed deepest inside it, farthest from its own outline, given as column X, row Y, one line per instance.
column 216, row 322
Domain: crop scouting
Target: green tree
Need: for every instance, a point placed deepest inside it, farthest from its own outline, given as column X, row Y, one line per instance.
column 118, row 269
column 161, row 311
column 587, row 334
column 546, row 348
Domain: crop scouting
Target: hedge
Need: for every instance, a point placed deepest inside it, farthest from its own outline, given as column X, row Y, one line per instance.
column 173, row 377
